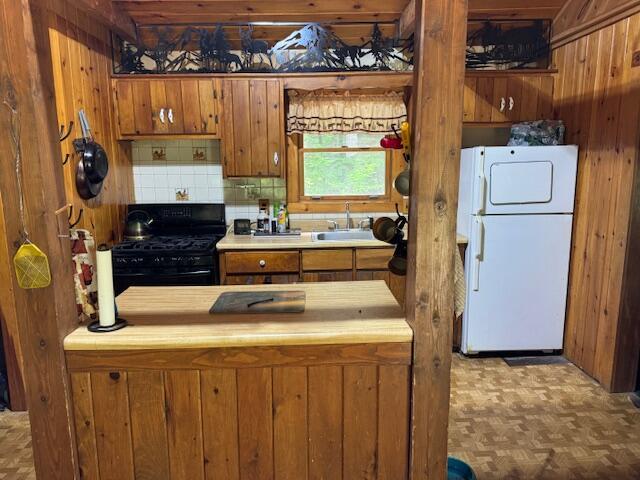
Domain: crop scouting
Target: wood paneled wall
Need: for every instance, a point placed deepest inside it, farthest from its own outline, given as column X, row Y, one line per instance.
column 317, row 422
column 81, row 58
column 29, row 140
column 578, row 18
column 597, row 94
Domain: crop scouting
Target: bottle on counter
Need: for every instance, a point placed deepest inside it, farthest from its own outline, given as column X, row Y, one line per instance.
column 282, row 219
column 263, row 221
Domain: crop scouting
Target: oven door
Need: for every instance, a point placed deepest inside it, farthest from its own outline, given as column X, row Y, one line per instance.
column 122, row 280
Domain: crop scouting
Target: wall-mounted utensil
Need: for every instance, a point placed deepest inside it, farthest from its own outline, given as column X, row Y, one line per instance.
column 93, row 166
column 401, row 182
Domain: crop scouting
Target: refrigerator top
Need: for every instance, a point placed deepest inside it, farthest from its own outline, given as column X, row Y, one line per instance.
column 517, row 180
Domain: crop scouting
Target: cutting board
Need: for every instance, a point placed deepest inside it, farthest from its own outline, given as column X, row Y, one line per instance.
column 260, row 302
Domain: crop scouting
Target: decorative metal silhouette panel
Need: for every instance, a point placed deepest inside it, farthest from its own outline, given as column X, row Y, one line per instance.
column 311, row 48
column 508, row 45
column 316, row 48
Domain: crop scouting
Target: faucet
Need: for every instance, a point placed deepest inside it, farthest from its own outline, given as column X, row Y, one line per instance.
column 348, row 212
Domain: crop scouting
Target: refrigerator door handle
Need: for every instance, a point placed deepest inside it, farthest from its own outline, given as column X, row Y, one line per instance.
column 478, row 252
column 481, row 193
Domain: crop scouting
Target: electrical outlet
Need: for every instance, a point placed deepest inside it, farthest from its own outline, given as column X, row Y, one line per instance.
column 635, row 59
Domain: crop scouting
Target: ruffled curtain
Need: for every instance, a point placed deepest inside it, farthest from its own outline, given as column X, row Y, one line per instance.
column 323, row 111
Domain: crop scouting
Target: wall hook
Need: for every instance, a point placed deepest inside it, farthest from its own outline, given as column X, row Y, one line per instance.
column 66, row 159
column 77, row 221
column 63, row 135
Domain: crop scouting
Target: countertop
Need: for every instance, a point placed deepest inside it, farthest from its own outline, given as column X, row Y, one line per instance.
column 178, row 318
column 304, row 241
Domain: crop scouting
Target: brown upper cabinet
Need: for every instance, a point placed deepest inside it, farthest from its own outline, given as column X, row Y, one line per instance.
column 254, row 131
column 155, row 107
column 506, row 98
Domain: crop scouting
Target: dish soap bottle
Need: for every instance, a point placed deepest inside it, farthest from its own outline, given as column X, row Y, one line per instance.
column 282, row 219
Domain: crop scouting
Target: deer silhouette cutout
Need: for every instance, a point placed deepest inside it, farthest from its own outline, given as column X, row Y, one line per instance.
column 251, row 47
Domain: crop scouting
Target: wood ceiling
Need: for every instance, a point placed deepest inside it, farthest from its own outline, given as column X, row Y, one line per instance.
column 149, row 12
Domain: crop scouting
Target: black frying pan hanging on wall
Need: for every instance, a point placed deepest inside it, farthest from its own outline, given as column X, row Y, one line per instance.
column 93, row 166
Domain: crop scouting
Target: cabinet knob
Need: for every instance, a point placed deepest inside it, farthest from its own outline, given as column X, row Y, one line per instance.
column 262, row 263
column 161, row 115
column 276, row 159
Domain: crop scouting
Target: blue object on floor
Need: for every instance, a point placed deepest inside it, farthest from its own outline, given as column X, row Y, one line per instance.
column 458, row 470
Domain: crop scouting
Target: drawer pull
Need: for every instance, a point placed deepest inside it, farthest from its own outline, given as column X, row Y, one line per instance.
column 161, row 115
column 262, row 263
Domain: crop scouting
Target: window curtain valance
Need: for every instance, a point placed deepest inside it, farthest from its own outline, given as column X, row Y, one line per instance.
column 323, row 111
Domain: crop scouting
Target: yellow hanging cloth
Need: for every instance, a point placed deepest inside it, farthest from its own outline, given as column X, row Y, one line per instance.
column 32, row 266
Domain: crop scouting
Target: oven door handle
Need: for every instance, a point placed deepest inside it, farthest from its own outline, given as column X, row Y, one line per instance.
column 143, row 274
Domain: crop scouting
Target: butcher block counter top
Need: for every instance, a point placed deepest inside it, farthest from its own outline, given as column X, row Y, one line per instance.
column 303, row 241
column 178, row 318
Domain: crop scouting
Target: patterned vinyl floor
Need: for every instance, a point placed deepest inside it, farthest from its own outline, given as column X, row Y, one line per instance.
column 540, row 423
column 509, row 423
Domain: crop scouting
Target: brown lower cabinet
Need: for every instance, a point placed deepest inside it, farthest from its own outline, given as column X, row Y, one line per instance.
column 318, row 265
column 253, row 267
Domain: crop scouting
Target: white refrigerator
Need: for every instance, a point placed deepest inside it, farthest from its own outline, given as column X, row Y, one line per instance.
column 516, row 207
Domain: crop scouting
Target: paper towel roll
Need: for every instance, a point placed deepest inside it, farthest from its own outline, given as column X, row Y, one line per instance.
column 106, row 298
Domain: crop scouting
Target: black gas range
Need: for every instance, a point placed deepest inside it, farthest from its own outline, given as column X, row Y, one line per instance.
column 180, row 251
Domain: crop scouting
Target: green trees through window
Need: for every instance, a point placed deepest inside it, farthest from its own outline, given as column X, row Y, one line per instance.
column 343, row 164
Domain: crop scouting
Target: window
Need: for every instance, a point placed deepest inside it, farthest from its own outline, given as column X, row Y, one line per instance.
column 343, row 166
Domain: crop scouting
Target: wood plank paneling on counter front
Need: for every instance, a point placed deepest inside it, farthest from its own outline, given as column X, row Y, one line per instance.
column 283, row 423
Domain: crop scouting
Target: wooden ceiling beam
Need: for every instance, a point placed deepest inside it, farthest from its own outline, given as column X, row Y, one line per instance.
column 491, row 9
column 166, row 18
column 110, row 15
column 271, row 10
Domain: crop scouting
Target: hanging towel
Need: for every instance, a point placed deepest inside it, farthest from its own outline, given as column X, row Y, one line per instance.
column 460, row 292
column 83, row 256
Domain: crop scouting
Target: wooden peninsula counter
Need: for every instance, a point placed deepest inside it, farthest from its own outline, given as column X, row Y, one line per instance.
column 183, row 394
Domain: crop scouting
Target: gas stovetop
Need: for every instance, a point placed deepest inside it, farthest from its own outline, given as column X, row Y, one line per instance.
column 165, row 252
column 163, row 244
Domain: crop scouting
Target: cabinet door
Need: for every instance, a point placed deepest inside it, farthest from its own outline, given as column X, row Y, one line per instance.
column 253, row 139
column 168, row 107
column 345, row 276
column 173, row 106
column 209, row 97
column 507, row 98
column 135, row 110
column 469, row 99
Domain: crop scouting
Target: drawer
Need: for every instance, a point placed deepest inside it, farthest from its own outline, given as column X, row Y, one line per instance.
column 373, row 258
column 324, row 260
column 262, row 262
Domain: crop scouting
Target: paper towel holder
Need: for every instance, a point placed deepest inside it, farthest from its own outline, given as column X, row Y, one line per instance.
column 95, row 327
column 105, row 294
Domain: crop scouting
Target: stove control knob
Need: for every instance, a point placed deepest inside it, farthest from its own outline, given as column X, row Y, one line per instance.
column 262, row 263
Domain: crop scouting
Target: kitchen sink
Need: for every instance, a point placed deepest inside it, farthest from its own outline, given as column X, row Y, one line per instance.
column 342, row 235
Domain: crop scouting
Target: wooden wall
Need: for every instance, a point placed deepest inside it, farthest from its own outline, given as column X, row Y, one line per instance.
column 29, row 139
column 292, row 422
column 597, row 94
column 578, row 18
column 81, row 58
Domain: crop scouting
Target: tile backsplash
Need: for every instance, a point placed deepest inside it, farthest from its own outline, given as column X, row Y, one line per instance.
column 177, row 171
column 181, row 171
